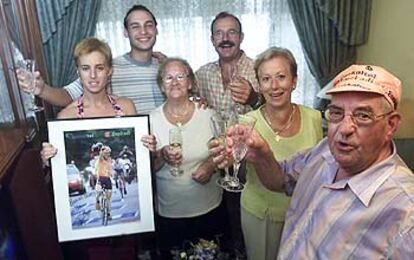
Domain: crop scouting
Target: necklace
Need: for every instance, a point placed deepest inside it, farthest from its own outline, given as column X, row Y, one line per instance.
column 179, row 118
column 287, row 125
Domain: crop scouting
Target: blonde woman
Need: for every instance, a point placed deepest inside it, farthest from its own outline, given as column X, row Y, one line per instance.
column 94, row 66
column 288, row 128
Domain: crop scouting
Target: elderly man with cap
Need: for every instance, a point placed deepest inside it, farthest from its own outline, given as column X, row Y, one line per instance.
column 352, row 195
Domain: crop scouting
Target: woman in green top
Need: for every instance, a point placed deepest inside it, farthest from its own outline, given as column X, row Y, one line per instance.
column 288, row 128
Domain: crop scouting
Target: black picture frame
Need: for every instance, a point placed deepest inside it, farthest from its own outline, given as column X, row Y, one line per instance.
column 78, row 142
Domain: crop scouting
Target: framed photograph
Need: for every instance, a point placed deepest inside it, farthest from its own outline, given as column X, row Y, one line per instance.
column 101, row 177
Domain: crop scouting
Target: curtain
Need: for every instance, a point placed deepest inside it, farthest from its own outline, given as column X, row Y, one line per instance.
column 351, row 18
column 329, row 31
column 6, row 113
column 63, row 23
column 184, row 31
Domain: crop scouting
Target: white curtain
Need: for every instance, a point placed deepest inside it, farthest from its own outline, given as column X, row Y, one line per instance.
column 184, row 31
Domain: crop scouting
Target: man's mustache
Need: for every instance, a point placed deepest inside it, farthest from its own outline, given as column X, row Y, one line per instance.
column 226, row 44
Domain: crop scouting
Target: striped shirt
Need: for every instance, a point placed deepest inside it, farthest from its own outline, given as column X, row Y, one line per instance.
column 210, row 83
column 133, row 79
column 367, row 216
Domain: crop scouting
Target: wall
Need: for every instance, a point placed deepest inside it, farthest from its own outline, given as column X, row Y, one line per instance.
column 391, row 45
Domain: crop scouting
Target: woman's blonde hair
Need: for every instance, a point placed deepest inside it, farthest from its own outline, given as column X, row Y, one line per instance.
column 90, row 45
column 274, row 52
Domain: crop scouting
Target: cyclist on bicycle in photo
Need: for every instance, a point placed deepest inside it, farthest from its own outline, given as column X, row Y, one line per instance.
column 126, row 152
column 119, row 175
column 93, row 155
column 126, row 164
column 103, row 172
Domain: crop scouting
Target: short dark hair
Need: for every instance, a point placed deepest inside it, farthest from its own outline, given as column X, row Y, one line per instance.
column 138, row 8
column 222, row 15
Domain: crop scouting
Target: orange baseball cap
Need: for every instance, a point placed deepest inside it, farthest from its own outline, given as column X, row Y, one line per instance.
column 368, row 78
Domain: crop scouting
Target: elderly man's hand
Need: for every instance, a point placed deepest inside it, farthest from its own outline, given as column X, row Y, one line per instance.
column 257, row 146
column 241, row 90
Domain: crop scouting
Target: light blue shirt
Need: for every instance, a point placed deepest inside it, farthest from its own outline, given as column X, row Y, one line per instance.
column 367, row 216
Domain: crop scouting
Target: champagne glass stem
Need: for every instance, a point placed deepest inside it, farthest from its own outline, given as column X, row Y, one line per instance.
column 234, row 184
column 226, row 174
column 238, row 108
column 175, row 140
column 236, row 167
column 35, row 107
column 175, row 169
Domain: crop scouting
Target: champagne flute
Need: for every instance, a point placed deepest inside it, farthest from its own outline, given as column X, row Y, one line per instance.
column 28, row 68
column 176, row 141
column 234, row 72
column 220, row 123
column 244, row 130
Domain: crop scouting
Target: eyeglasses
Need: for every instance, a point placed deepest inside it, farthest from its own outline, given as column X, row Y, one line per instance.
column 179, row 77
column 359, row 117
column 219, row 34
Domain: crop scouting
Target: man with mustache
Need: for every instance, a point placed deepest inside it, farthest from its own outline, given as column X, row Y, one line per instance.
column 229, row 84
column 134, row 73
column 230, row 80
column 353, row 196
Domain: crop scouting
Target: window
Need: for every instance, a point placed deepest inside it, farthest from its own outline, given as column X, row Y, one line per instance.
column 184, row 31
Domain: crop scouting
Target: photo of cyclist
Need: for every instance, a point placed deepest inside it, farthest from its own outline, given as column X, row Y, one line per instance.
column 103, row 172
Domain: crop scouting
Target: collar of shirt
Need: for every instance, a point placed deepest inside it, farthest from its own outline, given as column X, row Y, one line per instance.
column 366, row 183
column 147, row 63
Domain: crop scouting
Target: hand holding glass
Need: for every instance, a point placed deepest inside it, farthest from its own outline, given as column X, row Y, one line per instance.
column 176, row 141
column 243, row 130
column 27, row 69
column 234, row 73
column 220, row 123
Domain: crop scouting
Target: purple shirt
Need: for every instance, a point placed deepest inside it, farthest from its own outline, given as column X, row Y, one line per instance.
column 367, row 216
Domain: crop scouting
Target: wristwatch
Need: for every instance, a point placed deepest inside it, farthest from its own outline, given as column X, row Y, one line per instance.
column 258, row 102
